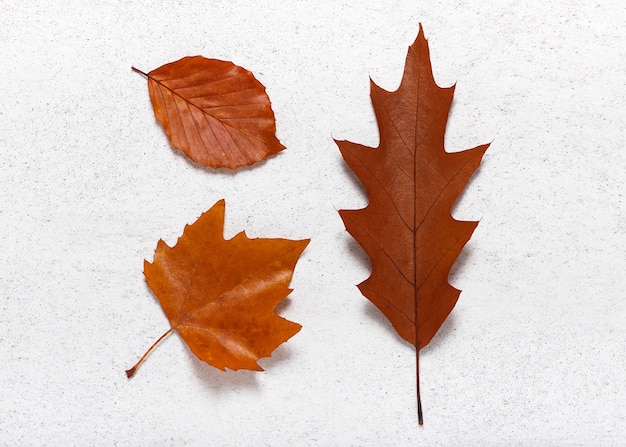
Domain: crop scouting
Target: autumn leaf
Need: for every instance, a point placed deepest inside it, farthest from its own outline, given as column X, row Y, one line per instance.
column 214, row 111
column 407, row 228
column 220, row 295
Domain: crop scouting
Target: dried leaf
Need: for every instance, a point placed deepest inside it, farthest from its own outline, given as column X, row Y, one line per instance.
column 220, row 295
column 214, row 111
column 407, row 228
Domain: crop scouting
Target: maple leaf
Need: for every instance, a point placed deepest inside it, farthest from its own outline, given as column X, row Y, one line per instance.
column 407, row 228
column 214, row 111
column 220, row 295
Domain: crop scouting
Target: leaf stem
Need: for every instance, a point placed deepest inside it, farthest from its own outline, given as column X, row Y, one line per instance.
column 139, row 71
column 131, row 372
column 420, row 418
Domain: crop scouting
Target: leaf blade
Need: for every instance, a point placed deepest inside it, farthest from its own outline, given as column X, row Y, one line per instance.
column 220, row 295
column 215, row 112
column 407, row 228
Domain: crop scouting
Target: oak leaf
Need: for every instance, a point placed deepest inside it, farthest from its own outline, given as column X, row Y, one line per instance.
column 220, row 295
column 214, row 111
column 407, row 228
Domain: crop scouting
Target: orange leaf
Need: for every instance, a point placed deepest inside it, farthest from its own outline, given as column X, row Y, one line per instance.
column 214, row 111
column 407, row 228
column 220, row 295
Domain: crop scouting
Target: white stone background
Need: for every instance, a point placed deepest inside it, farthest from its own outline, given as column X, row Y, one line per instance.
column 534, row 352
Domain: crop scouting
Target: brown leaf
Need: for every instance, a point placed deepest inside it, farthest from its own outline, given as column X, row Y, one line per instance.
column 220, row 295
column 407, row 228
column 214, row 111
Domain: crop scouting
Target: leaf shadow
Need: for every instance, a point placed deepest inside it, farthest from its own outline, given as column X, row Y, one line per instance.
column 375, row 314
column 223, row 171
column 352, row 178
column 462, row 260
column 357, row 253
column 221, row 381
column 468, row 189
column 445, row 331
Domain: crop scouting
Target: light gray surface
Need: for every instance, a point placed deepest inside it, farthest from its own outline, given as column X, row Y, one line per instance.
column 532, row 355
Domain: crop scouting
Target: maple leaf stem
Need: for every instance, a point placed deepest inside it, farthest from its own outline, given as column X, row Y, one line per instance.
column 131, row 372
column 420, row 417
column 139, row 71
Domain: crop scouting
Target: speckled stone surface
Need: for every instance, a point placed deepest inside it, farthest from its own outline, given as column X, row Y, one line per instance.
column 534, row 352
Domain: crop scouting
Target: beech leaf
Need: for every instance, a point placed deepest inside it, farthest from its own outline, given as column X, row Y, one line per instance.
column 214, row 111
column 220, row 295
column 407, row 228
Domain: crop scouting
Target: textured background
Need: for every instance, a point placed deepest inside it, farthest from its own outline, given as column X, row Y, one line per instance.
column 534, row 352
